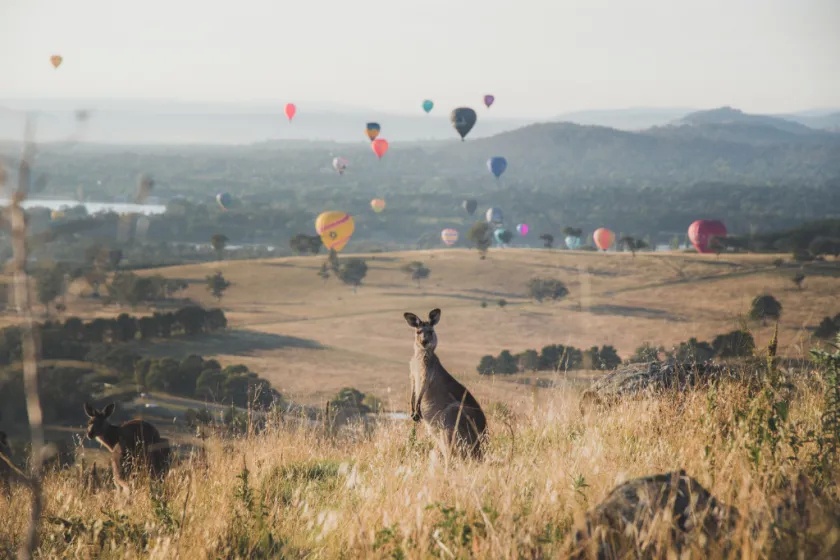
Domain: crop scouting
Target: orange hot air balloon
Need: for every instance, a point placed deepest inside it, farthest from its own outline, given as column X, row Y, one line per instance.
column 335, row 229
column 603, row 238
column 290, row 111
column 56, row 60
column 378, row 205
column 449, row 237
column 380, row 146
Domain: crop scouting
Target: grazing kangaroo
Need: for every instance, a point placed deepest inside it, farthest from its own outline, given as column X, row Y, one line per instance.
column 438, row 399
column 132, row 444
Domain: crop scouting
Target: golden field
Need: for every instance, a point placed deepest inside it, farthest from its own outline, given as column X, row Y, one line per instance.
column 384, row 494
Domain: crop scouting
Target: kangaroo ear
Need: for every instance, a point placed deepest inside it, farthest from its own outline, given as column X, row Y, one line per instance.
column 109, row 410
column 89, row 410
column 412, row 320
column 434, row 316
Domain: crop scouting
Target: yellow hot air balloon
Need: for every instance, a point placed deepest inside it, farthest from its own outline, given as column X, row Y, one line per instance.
column 56, row 60
column 378, row 205
column 335, row 229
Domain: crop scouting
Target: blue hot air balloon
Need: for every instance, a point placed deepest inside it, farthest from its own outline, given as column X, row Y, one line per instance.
column 502, row 236
column 494, row 216
column 224, row 200
column 428, row 104
column 572, row 241
column 497, row 165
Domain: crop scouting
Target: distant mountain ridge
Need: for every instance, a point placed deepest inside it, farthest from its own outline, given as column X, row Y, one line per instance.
column 729, row 115
column 177, row 122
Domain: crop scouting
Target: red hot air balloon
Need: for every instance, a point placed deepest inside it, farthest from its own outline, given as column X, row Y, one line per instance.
column 701, row 233
column 379, row 146
column 603, row 238
column 290, row 111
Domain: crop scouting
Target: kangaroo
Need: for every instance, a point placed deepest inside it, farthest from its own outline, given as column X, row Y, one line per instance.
column 132, row 444
column 438, row 399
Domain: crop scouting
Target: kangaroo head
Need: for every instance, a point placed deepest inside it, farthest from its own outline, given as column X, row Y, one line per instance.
column 425, row 336
column 97, row 420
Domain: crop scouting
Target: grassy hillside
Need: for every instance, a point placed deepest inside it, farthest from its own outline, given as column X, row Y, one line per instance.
column 286, row 324
column 382, row 493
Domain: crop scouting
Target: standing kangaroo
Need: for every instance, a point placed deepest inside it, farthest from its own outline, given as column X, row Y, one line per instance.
column 132, row 444
column 438, row 399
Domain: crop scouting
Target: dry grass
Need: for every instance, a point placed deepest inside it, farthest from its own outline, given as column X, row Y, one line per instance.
column 383, row 495
column 278, row 309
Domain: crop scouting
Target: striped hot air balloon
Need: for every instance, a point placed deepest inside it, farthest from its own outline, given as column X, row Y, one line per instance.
column 335, row 229
column 449, row 236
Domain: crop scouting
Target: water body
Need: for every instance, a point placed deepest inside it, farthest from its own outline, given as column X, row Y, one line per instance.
column 91, row 207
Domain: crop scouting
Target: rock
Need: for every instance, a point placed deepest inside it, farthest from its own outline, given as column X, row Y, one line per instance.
column 651, row 377
column 650, row 516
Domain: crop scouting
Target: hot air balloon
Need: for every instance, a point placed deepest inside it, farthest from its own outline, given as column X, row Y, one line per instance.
column 470, row 205
column 463, row 119
column 502, row 236
column 428, row 105
column 497, row 165
column 493, row 216
column 335, row 229
column 290, row 111
column 372, row 130
column 379, row 146
column 224, row 200
column 449, row 236
column 489, row 99
column 56, row 60
column 572, row 241
column 56, row 214
column 702, row 232
column 603, row 238
column 522, row 229
column 340, row 164
column 378, row 205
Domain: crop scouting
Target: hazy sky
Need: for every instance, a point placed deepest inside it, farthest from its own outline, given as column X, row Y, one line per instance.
column 539, row 57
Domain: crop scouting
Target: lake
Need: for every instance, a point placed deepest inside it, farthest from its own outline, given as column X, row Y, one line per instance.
column 92, row 207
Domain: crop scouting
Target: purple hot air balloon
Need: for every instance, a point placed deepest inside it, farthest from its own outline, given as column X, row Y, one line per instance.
column 489, row 99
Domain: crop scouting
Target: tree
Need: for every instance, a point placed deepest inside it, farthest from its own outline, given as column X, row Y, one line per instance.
column 733, row 344
column 114, row 258
column 49, row 282
column 216, row 285
column 645, row 353
column 479, row 235
column 765, row 307
column 487, row 365
column 828, row 328
column 417, row 271
column 547, row 288
column 352, row 272
column 324, row 272
column 350, row 398
column 529, row 360
column 219, row 242
column 303, row 244
column 548, row 240
column 822, row 245
column 632, row 244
